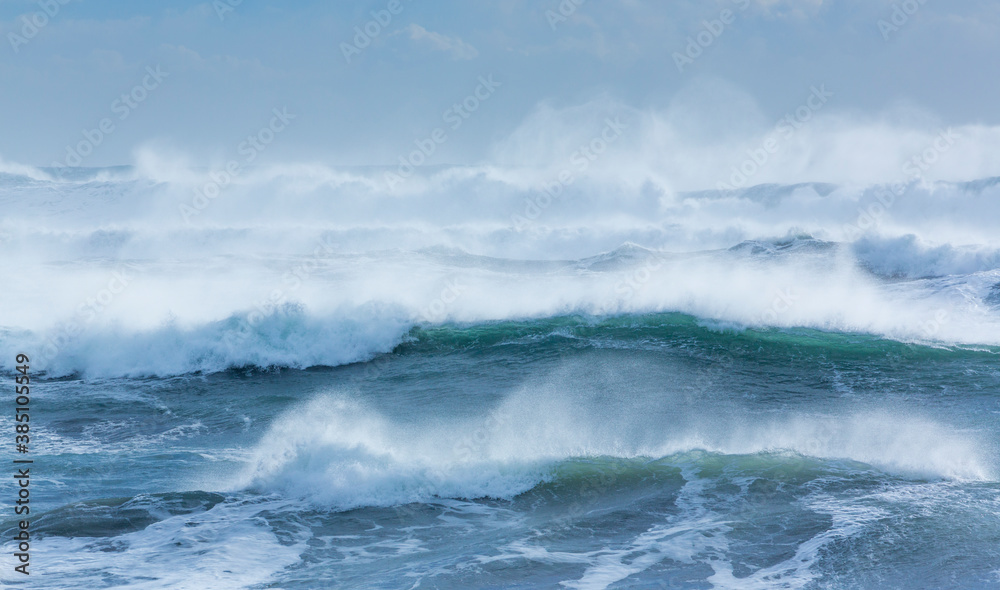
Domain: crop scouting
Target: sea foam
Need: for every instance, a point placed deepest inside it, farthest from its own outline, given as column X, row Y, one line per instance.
column 340, row 452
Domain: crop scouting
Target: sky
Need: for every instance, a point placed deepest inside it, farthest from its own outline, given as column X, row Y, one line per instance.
column 200, row 78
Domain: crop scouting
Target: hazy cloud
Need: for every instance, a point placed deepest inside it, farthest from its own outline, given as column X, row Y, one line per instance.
column 456, row 47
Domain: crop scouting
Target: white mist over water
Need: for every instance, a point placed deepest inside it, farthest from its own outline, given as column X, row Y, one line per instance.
column 181, row 317
column 152, row 269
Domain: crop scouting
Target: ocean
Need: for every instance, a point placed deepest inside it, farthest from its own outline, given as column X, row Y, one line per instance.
column 471, row 384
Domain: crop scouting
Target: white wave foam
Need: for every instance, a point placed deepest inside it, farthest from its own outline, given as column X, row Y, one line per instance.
column 900, row 444
column 16, row 169
column 285, row 337
column 691, row 536
column 341, row 453
column 226, row 547
column 679, row 542
column 105, row 320
column 908, row 256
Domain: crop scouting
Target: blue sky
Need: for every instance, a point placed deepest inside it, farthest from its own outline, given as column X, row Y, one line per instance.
column 226, row 70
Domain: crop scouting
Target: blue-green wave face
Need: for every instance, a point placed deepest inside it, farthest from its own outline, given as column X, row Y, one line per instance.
column 674, row 330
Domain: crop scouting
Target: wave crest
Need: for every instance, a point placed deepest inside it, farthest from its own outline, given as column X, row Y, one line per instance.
column 339, row 452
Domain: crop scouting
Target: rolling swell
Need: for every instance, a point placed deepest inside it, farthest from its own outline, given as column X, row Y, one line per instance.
column 289, row 337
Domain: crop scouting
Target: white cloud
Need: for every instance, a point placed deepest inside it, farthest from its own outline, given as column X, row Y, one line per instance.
column 456, row 47
column 790, row 8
